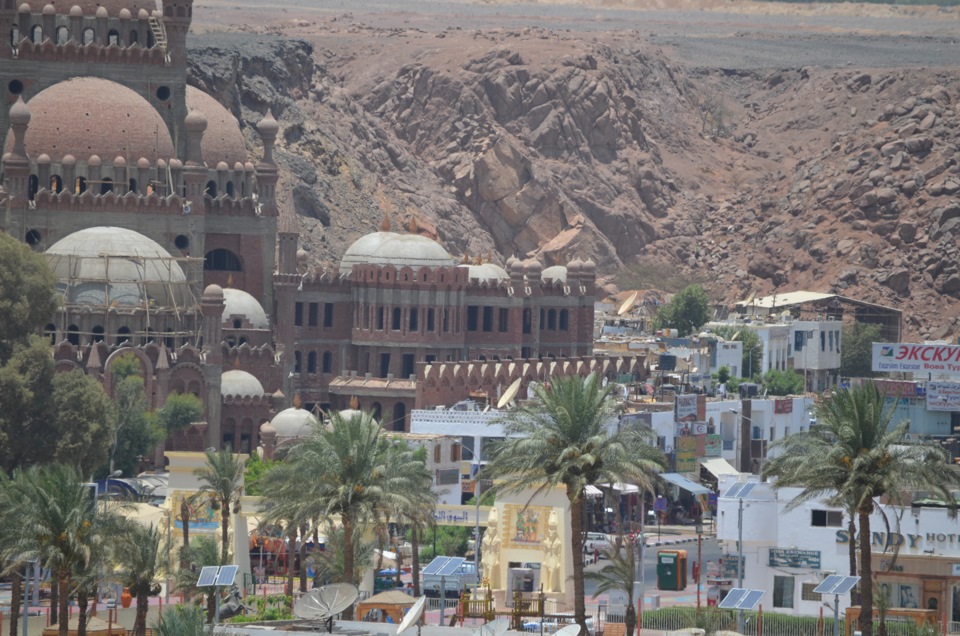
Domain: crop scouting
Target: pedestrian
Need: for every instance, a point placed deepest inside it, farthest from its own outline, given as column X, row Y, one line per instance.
column 596, row 555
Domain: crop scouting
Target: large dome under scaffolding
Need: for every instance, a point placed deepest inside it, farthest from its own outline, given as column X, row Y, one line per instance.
column 117, row 267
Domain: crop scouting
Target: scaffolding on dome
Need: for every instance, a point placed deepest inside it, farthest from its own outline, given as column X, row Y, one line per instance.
column 153, row 289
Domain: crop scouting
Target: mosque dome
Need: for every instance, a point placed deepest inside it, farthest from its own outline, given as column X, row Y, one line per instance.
column 293, row 422
column 222, row 141
column 117, row 267
column 241, row 384
column 239, row 303
column 90, row 7
column 555, row 272
column 398, row 250
column 87, row 116
column 487, row 271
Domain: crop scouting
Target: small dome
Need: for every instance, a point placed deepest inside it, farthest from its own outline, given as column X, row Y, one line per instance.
column 102, row 13
column 76, row 11
column 222, row 140
column 68, row 117
column 119, row 162
column 241, row 384
column 25, row 8
column 44, row 158
column 143, row 14
column 487, row 271
column 293, row 422
column 117, row 267
column 143, row 163
column 125, row 14
column 556, row 272
column 348, row 414
column 268, row 126
column 533, row 266
column 68, row 160
column 589, row 265
column 19, row 115
column 267, row 430
column 516, row 267
column 241, row 304
column 89, row 7
column 175, row 164
column 195, row 122
column 213, row 292
column 222, row 166
column 48, row 9
column 574, row 265
column 399, row 250
column 238, row 167
column 94, row 160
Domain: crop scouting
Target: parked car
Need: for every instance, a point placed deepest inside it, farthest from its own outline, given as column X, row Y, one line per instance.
column 596, row 541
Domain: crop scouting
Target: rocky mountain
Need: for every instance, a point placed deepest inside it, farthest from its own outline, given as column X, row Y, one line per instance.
column 536, row 142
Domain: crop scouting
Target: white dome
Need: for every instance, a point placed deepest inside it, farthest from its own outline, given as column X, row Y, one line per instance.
column 241, row 384
column 116, row 266
column 241, row 304
column 293, row 422
column 399, row 250
column 556, row 272
column 487, row 271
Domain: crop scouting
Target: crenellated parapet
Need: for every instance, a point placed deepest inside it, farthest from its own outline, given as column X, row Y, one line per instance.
column 72, row 52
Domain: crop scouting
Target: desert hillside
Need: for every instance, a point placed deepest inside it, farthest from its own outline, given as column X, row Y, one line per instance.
column 753, row 147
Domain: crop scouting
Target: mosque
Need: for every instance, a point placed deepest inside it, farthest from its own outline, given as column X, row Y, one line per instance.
column 168, row 243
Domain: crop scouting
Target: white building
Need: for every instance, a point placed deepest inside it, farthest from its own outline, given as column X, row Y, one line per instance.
column 815, row 349
column 787, row 552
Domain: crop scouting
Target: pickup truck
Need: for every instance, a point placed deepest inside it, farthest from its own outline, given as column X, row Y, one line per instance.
column 452, row 574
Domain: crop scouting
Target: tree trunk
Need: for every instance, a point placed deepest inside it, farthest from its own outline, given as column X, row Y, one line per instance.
column 414, row 558
column 348, row 575
column 83, row 598
column 630, row 617
column 63, row 582
column 224, row 531
column 865, row 622
column 576, row 544
column 302, row 552
column 140, row 622
column 16, row 595
column 211, row 605
column 54, row 600
column 852, row 548
column 291, row 561
column 185, row 520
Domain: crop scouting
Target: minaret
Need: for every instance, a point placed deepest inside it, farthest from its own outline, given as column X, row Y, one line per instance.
column 286, row 280
column 16, row 165
column 212, row 306
column 267, row 169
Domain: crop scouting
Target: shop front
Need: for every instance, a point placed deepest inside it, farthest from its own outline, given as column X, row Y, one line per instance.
column 926, row 581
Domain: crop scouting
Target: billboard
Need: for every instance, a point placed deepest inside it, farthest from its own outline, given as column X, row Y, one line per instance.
column 687, row 408
column 916, row 358
column 780, row 558
column 943, row 396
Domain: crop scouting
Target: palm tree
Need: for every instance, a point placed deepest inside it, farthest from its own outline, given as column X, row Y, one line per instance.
column 563, row 439
column 339, row 472
column 853, row 455
column 140, row 564
column 618, row 573
column 55, row 516
column 201, row 552
column 181, row 620
column 221, row 478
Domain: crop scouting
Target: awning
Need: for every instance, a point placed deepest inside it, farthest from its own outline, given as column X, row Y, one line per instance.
column 719, row 466
column 592, row 491
column 681, row 481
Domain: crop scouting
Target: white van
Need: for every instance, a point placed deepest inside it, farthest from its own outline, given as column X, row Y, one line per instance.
column 596, row 541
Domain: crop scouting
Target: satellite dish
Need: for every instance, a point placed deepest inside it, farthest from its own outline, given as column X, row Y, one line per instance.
column 628, row 303
column 510, row 393
column 413, row 615
column 735, row 337
column 569, row 630
column 498, row 627
column 325, row 602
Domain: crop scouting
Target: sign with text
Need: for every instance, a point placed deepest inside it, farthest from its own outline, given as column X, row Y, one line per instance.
column 713, row 446
column 916, row 358
column 688, row 429
column 780, row 558
column 896, row 388
column 943, row 396
column 686, row 461
column 686, row 408
column 452, row 515
column 783, row 406
column 730, row 567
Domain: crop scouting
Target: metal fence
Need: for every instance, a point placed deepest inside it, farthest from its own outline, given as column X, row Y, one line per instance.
column 712, row 619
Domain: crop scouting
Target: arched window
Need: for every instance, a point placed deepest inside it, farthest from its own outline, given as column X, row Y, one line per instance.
column 113, row 37
column 134, row 36
column 237, row 323
column 431, row 324
column 97, row 334
column 50, row 331
column 36, row 34
column 80, row 185
column 168, row 11
column 63, row 35
column 106, row 185
column 211, row 189
column 229, row 188
column 376, row 410
column 89, row 36
column 123, row 335
column 527, row 320
column 221, row 260
column 395, row 323
column 414, row 319
column 400, row 417
column 552, row 320
column 151, row 41
column 380, row 311
column 564, row 319
column 33, row 186
column 73, row 335
column 56, row 183
column 297, row 358
column 169, row 340
column 326, row 362
column 312, row 362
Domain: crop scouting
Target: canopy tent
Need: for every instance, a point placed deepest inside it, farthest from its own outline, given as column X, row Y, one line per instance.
column 719, row 466
column 392, row 603
column 592, row 491
column 682, row 482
